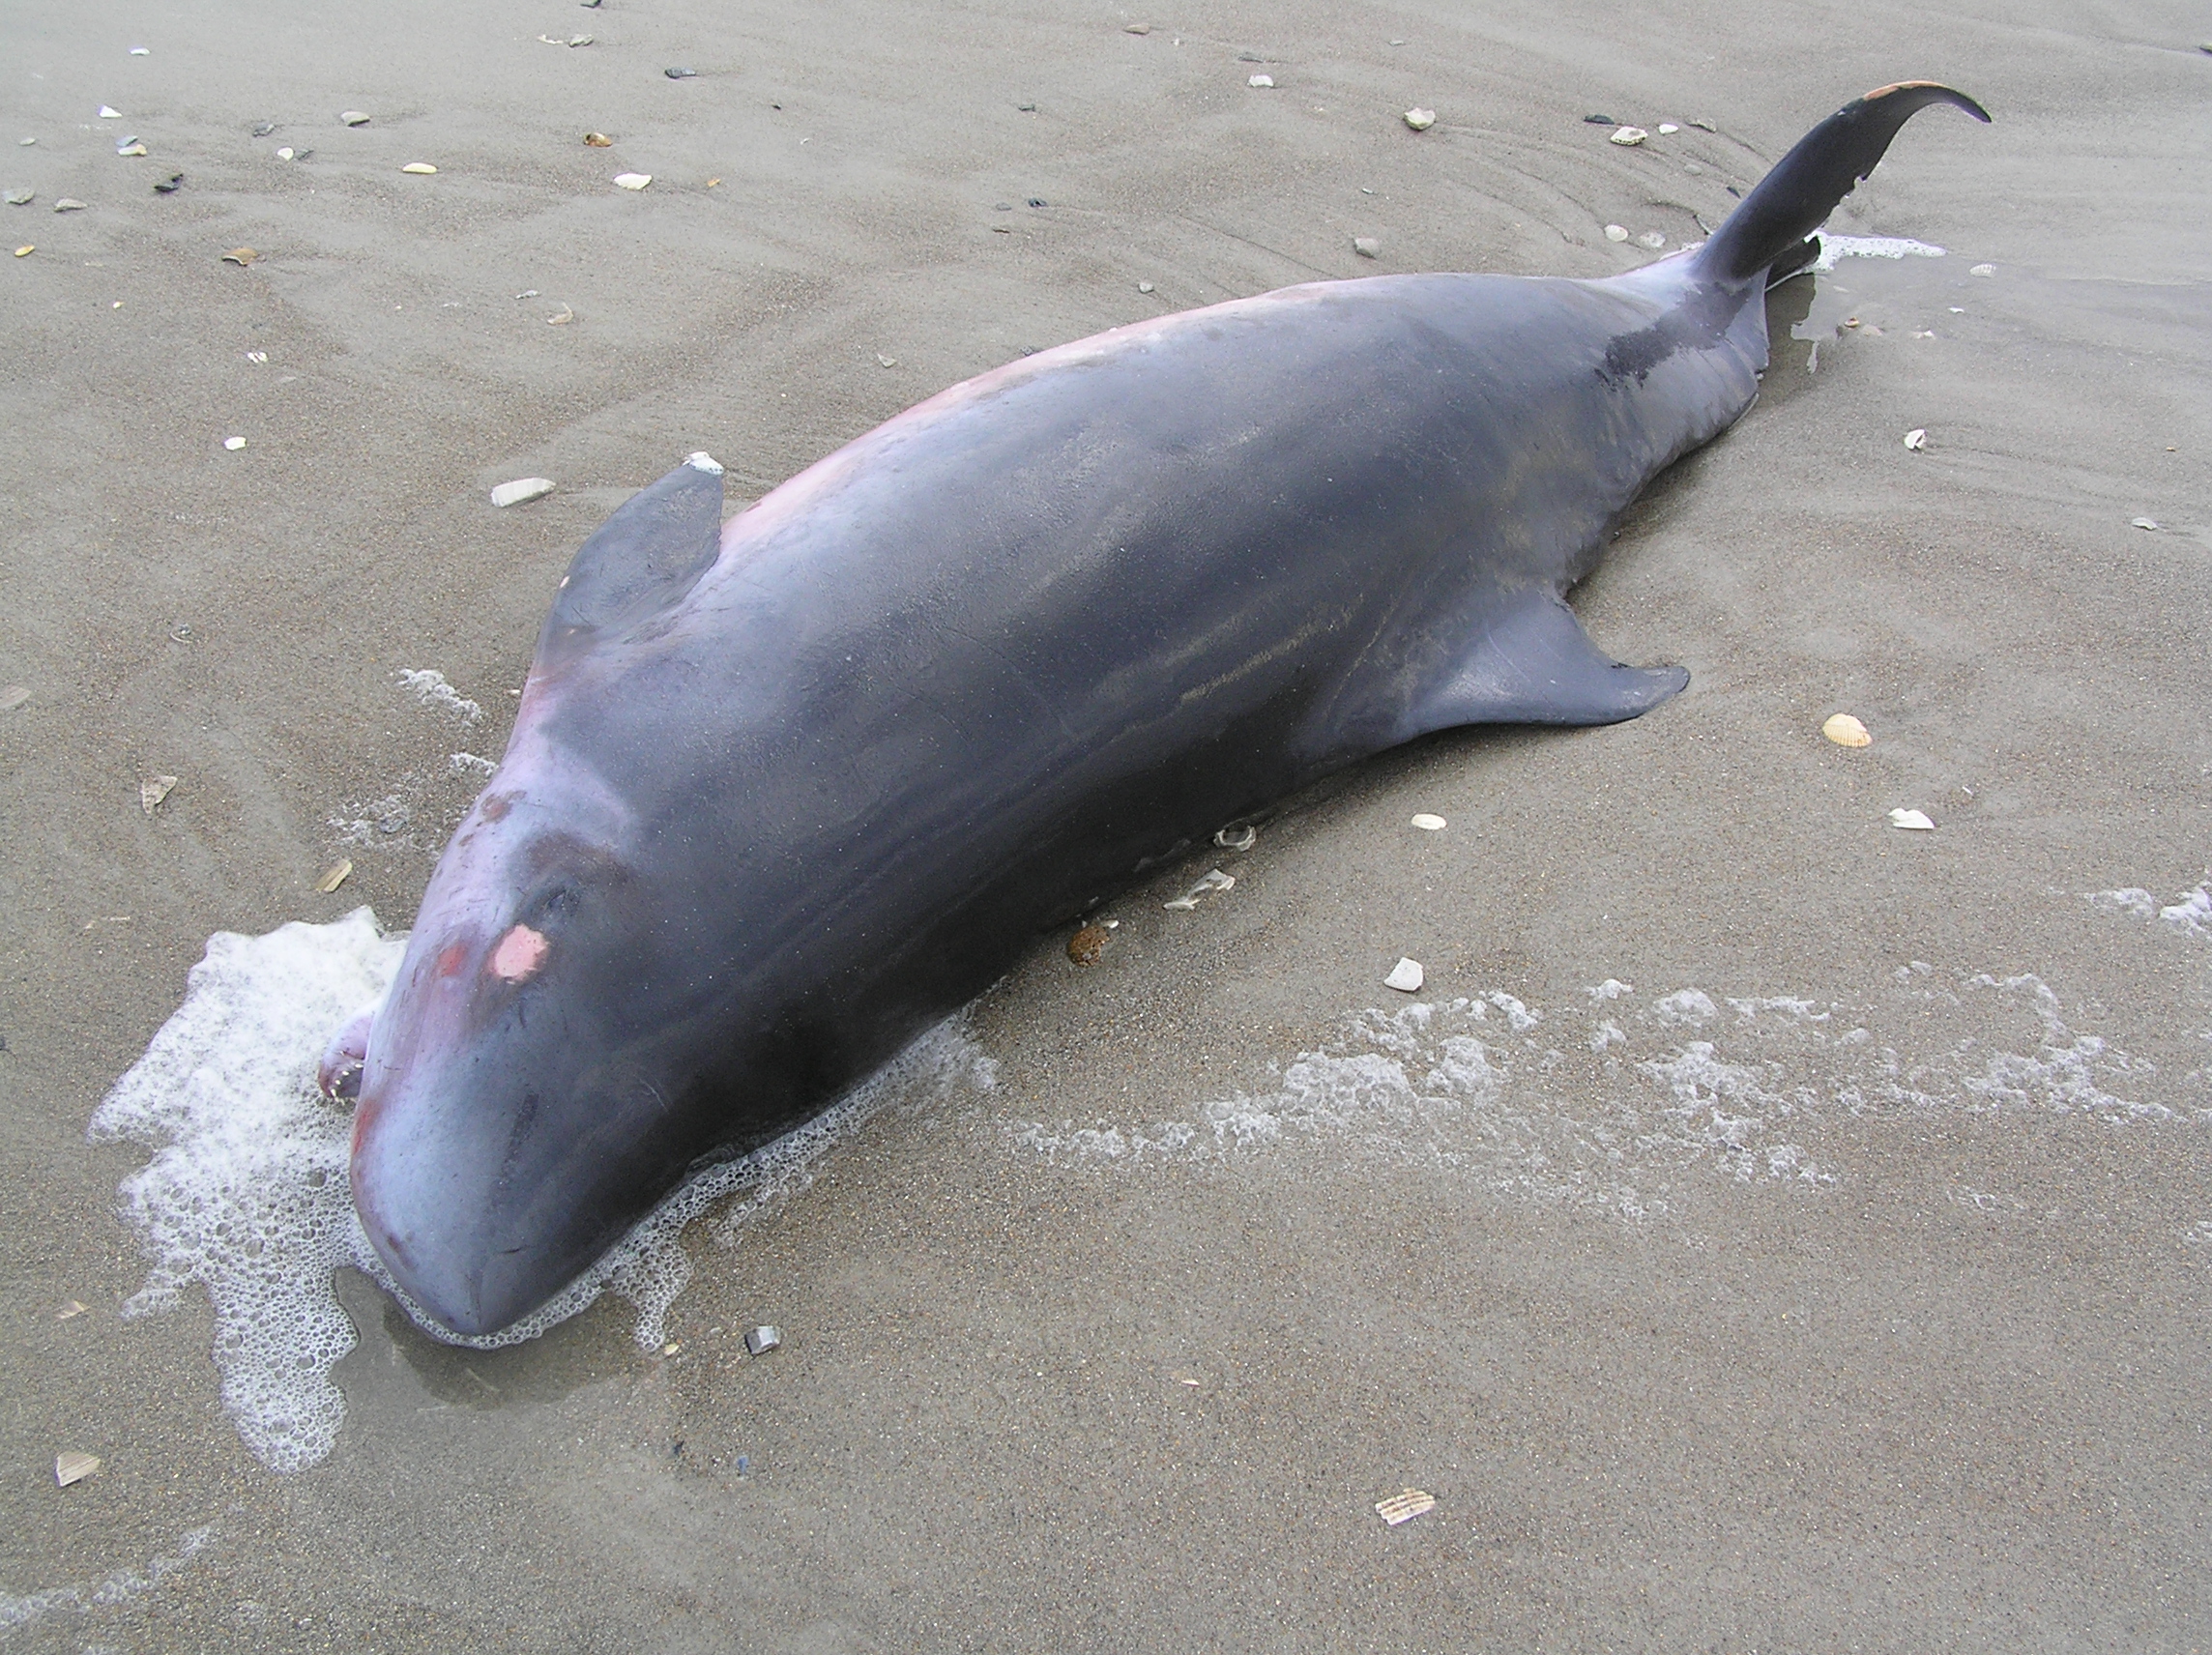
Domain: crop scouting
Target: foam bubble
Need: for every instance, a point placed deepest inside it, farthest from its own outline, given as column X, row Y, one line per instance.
column 1835, row 248
column 246, row 1194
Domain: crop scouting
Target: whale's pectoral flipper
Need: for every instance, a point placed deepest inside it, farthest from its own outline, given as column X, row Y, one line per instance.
column 644, row 559
column 1531, row 662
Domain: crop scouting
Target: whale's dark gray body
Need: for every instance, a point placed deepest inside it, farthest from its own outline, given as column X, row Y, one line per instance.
column 783, row 793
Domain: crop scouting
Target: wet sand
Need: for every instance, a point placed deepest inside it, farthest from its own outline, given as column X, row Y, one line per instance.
column 1730, row 1327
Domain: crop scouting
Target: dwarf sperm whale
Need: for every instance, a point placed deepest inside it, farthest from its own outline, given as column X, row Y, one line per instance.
column 782, row 793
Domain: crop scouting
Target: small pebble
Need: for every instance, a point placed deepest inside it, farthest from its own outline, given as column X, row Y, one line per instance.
column 632, row 180
column 421, row 168
column 21, row 197
column 27, row 250
column 1630, row 136
column 1026, row 108
column 354, row 118
column 598, row 140
column 1845, row 731
column 1916, row 439
column 762, row 1340
column 1667, row 128
column 234, row 444
column 1405, row 977
column 1915, row 821
column 681, row 73
column 1143, row 287
column 285, row 154
column 1599, row 120
column 1420, row 120
column 1261, row 80
column 1366, row 246
column 1087, row 945
column 262, row 128
column 1429, row 823
column 521, row 490
column 170, row 185
column 1616, row 232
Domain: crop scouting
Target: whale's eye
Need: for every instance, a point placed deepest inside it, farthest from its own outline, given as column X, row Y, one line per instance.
column 519, row 954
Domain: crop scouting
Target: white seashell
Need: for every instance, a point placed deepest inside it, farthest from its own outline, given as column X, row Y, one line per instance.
column 1616, row 232
column 1429, row 823
column 521, row 490
column 1627, row 136
column 1420, row 120
column 1915, row 819
column 1261, row 80
column 1916, row 439
column 1405, row 977
column 632, row 180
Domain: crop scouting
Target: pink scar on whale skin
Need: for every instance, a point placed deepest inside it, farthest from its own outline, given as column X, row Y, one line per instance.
column 519, row 954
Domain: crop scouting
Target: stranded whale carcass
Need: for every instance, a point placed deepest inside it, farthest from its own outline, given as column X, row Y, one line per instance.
column 782, row 793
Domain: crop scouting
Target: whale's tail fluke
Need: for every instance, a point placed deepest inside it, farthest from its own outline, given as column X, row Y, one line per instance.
column 1769, row 230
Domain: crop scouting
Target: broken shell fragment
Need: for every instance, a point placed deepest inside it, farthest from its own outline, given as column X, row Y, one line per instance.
column 12, row 697
column 1429, row 823
column 1983, row 270
column 69, row 204
column 1366, row 246
column 133, row 149
column 21, row 197
column 1261, row 80
column 153, row 790
column 1914, row 819
column 1616, row 232
column 1845, row 731
column 1666, row 129
column 561, row 318
column 1405, row 977
column 632, row 180
column 1651, row 239
column 354, row 118
column 1087, row 944
column 1403, row 1507
column 521, row 490
column 27, row 250
column 762, row 1340
column 335, row 877
column 234, row 444
column 1238, row 838
column 1136, row 28
column 170, row 185
column 240, row 256
column 681, row 73
column 1216, row 880
column 107, row 114
column 421, row 168
column 598, row 140
column 1916, row 439
column 1143, row 287
column 1627, row 137
column 1420, row 120
column 75, row 1468
column 2143, row 522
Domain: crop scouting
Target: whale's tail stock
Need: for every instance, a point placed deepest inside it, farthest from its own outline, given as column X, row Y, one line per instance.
column 1772, row 230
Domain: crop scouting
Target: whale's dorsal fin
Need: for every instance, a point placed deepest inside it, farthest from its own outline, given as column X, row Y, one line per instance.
column 1531, row 662
column 643, row 560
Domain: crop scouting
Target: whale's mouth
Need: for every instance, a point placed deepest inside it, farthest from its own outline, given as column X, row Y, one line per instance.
column 247, row 1192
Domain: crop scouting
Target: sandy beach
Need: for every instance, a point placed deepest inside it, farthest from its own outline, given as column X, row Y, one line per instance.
column 1768, row 1229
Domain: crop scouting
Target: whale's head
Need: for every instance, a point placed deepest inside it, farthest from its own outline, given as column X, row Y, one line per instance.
column 526, row 1091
